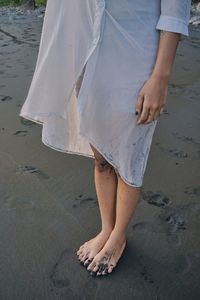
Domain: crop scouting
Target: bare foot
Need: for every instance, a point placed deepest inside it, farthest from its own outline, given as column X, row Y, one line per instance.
column 90, row 248
column 107, row 258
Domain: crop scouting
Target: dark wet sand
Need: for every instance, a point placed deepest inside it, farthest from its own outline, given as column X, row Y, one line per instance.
column 49, row 206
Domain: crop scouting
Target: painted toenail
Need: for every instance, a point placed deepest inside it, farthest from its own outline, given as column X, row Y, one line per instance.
column 105, row 273
column 86, row 263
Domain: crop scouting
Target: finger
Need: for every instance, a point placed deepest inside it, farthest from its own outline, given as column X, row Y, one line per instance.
column 162, row 110
column 144, row 115
column 139, row 104
column 150, row 118
column 156, row 114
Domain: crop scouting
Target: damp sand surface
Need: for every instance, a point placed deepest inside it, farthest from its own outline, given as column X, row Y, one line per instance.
column 48, row 204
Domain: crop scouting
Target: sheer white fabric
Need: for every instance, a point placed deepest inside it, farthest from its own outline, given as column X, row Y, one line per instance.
column 115, row 43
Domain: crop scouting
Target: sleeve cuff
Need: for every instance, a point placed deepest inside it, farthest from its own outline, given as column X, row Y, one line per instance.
column 173, row 24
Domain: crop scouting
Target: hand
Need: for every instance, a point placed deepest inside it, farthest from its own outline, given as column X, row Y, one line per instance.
column 151, row 99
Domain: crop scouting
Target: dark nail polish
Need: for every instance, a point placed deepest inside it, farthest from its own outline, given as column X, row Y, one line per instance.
column 136, row 113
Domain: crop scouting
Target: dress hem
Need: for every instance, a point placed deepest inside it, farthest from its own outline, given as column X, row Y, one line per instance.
column 51, row 146
column 111, row 163
column 78, row 153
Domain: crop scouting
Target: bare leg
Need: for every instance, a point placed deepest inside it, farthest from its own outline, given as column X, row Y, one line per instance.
column 107, row 258
column 106, row 188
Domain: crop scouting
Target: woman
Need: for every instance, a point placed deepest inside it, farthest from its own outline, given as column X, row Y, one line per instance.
column 99, row 87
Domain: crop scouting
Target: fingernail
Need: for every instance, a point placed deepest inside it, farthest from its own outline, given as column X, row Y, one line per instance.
column 136, row 113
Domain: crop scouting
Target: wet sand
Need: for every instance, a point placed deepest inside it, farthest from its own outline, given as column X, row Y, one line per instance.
column 49, row 205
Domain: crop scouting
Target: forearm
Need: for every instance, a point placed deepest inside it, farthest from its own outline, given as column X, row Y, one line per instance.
column 166, row 54
column 172, row 23
column 152, row 96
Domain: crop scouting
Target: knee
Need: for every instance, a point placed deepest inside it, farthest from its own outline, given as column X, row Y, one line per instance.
column 102, row 164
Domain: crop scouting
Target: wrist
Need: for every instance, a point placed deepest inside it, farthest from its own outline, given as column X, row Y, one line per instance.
column 161, row 76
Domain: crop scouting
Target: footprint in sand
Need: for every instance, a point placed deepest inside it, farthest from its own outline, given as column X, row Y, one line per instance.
column 156, row 198
column 174, row 222
column 88, row 200
column 83, row 201
column 173, row 152
column 175, row 88
column 30, row 170
column 140, row 225
column 58, row 276
column 5, row 98
column 186, row 138
column 21, row 133
column 67, row 278
column 145, row 272
column 192, row 191
column 146, row 275
column 177, row 153
column 190, row 259
column 27, row 122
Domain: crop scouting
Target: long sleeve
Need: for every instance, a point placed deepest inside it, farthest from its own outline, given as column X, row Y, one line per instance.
column 174, row 17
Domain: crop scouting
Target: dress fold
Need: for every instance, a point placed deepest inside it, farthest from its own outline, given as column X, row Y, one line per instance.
column 94, row 57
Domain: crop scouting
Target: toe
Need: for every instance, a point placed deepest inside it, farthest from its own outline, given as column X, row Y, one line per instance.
column 81, row 247
column 110, row 268
column 84, row 257
column 98, row 273
column 96, row 268
column 102, row 268
column 79, row 251
column 105, row 271
column 87, row 262
column 91, row 266
column 81, row 255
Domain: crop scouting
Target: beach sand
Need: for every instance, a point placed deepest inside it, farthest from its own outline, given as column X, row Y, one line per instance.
column 48, row 204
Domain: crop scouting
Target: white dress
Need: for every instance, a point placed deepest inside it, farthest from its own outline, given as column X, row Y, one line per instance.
column 116, row 41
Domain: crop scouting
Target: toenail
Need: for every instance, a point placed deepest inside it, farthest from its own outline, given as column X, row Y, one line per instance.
column 86, row 263
column 105, row 273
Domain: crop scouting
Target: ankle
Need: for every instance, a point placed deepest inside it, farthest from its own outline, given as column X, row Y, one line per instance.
column 119, row 233
column 106, row 230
